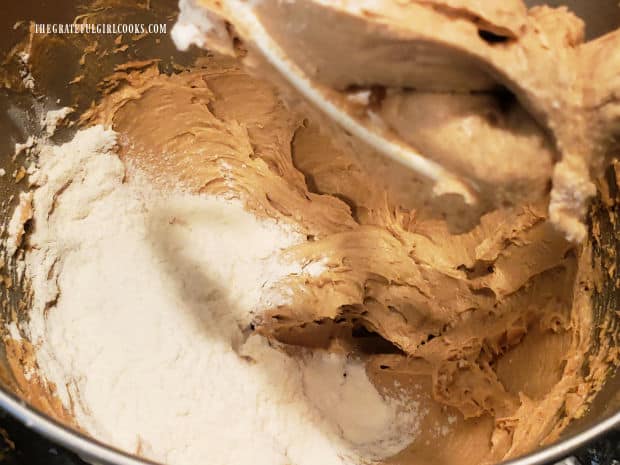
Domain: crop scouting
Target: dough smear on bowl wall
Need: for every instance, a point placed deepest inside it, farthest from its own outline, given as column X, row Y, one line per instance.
column 215, row 273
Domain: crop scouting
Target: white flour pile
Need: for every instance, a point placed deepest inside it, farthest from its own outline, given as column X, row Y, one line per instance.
column 141, row 303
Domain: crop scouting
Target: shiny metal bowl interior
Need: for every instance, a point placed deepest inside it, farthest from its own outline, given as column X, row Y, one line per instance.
column 17, row 121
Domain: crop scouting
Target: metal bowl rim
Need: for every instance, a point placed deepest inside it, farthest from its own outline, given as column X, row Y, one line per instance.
column 93, row 450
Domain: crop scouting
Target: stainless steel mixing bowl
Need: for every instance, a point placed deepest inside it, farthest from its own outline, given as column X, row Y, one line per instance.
column 58, row 64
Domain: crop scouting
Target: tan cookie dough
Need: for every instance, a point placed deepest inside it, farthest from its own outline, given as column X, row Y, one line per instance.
column 481, row 328
column 516, row 118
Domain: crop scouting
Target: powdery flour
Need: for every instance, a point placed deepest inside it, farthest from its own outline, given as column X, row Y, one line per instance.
column 142, row 302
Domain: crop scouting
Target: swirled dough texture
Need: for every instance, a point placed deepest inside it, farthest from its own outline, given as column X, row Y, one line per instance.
column 411, row 67
column 487, row 330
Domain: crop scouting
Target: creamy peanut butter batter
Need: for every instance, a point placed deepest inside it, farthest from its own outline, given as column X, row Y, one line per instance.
column 545, row 131
column 458, row 319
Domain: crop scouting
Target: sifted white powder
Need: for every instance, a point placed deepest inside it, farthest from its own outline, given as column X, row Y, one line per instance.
column 194, row 24
column 15, row 227
column 142, row 301
column 52, row 118
column 339, row 389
